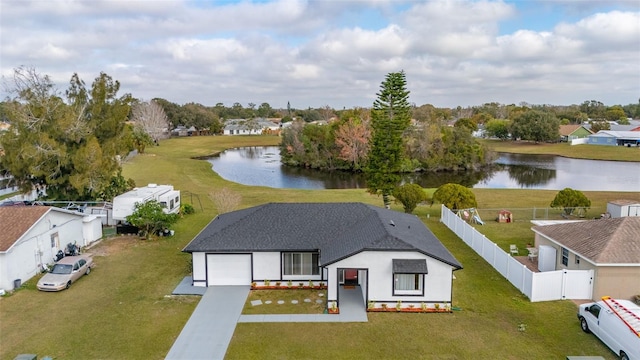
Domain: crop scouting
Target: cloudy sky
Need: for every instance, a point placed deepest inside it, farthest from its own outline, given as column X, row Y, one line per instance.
column 333, row 52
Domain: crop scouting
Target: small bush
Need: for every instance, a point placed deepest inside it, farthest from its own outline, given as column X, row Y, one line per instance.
column 187, row 209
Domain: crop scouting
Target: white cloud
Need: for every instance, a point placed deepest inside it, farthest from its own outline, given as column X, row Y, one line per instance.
column 314, row 53
column 611, row 30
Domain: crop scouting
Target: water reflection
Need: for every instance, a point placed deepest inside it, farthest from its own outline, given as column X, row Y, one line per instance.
column 260, row 166
column 529, row 176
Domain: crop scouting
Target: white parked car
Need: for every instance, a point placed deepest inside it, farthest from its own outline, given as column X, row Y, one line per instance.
column 65, row 272
column 616, row 323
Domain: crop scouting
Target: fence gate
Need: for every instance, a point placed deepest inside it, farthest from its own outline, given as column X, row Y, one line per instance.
column 577, row 284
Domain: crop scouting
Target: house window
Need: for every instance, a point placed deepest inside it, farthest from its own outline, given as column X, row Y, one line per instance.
column 300, row 264
column 55, row 242
column 565, row 257
column 577, row 260
column 408, row 284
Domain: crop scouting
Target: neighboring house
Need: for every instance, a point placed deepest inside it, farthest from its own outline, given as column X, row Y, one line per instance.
column 392, row 256
column 30, row 236
column 179, row 130
column 621, row 208
column 7, row 185
column 615, row 138
column 250, row 127
column 609, row 247
column 182, row 130
column 616, row 127
column 571, row 132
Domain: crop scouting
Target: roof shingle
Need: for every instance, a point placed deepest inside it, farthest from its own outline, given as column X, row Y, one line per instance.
column 603, row 241
column 16, row 220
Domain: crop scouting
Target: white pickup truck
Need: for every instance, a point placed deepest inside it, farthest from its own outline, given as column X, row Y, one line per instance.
column 616, row 323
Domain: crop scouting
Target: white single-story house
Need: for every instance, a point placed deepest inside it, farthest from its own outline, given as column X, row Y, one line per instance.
column 620, row 208
column 30, row 236
column 609, row 247
column 250, row 127
column 391, row 256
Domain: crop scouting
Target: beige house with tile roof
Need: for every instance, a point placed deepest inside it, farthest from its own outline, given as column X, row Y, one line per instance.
column 30, row 236
column 609, row 247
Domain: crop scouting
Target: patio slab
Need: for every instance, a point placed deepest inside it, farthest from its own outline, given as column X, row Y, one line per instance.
column 185, row 287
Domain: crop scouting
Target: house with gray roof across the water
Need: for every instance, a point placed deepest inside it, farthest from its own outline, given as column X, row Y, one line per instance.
column 615, row 138
column 609, row 247
column 389, row 256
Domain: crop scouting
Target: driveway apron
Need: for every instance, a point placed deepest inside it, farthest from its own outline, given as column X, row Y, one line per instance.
column 209, row 330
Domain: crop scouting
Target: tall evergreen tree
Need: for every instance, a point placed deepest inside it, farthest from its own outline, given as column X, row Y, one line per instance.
column 390, row 117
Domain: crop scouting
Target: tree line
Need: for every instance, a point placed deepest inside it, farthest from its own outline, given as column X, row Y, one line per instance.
column 427, row 143
column 71, row 142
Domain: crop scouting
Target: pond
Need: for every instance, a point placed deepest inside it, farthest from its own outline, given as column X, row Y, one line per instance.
column 260, row 166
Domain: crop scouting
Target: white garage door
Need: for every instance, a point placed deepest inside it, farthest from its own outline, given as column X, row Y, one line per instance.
column 230, row 269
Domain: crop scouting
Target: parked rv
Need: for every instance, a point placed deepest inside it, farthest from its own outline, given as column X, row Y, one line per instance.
column 169, row 199
column 616, row 323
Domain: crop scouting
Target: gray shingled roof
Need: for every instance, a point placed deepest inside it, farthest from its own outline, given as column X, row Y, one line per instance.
column 603, row 241
column 410, row 266
column 336, row 230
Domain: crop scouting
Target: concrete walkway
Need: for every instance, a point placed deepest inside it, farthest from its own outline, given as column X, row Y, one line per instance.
column 209, row 330
column 352, row 309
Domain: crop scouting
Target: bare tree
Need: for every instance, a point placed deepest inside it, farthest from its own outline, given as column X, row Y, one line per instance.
column 151, row 118
column 225, row 200
column 327, row 113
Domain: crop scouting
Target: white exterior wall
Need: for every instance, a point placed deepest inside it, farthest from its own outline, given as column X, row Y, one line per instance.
column 25, row 258
column 437, row 283
column 362, row 280
column 617, row 211
column 266, row 266
column 91, row 229
column 199, row 269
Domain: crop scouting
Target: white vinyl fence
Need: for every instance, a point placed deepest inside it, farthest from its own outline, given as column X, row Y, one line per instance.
column 537, row 286
column 579, row 141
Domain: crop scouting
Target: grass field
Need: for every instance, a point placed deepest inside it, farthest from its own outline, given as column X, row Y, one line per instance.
column 595, row 152
column 123, row 310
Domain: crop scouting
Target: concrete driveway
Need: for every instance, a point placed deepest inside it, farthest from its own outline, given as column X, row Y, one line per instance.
column 209, row 330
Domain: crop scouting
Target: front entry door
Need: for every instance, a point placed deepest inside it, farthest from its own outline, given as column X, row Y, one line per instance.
column 351, row 277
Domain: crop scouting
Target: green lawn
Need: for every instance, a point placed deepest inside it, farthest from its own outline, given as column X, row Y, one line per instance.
column 123, row 310
column 286, row 296
column 596, row 152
